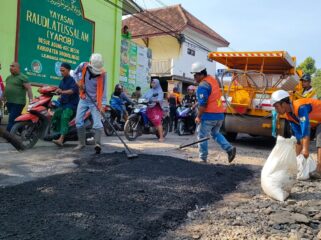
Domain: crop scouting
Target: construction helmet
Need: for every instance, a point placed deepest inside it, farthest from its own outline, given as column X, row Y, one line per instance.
column 197, row 67
column 96, row 62
column 279, row 95
column 306, row 77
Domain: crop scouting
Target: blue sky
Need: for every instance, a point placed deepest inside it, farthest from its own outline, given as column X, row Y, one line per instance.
column 260, row 25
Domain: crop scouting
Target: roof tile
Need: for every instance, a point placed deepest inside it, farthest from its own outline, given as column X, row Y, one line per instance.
column 169, row 20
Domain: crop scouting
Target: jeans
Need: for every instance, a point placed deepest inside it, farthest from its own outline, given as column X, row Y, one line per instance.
column 14, row 112
column 83, row 106
column 212, row 127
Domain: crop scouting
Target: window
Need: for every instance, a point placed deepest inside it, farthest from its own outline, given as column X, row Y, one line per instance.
column 190, row 51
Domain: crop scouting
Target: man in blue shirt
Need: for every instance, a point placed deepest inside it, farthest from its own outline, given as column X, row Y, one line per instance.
column 210, row 114
column 303, row 114
column 69, row 99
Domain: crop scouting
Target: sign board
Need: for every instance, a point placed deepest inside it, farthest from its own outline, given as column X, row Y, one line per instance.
column 50, row 32
column 135, row 64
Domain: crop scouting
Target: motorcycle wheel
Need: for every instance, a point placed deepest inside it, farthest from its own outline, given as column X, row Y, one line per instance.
column 129, row 130
column 165, row 127
column 108, row 130
column 28, row 137
column 180, row 128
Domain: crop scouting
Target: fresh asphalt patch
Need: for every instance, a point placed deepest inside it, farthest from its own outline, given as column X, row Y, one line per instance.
column 111, row 197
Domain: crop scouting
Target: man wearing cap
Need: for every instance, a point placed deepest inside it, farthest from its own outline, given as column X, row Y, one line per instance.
column 303, row 114
column 69, row 99
column 92, row 84
column 210, row 114
column 307, row 90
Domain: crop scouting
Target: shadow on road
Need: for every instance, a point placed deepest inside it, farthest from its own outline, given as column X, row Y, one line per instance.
column 110, row 197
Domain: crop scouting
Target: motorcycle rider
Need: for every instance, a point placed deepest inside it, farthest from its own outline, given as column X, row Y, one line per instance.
column 155, row 95
column 210, row 114
column 92, row 83
column 174, row 102
column 118, row 102
column 190, row 98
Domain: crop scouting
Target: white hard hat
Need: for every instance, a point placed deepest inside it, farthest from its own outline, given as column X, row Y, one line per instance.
column 278, row 95
column 96, row 62
column 197, row 67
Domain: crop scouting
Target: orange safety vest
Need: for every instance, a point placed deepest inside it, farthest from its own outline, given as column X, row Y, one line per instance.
column 214, row 102
column 314, row 115
column 100, row 86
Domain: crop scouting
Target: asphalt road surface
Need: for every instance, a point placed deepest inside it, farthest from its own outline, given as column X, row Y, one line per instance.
column 111, row 197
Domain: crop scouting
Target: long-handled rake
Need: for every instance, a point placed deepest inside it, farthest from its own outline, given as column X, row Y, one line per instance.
column 129, row 153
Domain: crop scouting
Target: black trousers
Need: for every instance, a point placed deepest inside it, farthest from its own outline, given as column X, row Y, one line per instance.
column 173, row 118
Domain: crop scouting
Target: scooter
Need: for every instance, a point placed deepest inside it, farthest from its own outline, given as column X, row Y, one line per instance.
column 138, row 123
column 112, row 116
column 186, row 120
column 36, row 123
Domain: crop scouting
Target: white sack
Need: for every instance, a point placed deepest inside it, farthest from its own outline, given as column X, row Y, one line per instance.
column 305, row 167
column 280, row 169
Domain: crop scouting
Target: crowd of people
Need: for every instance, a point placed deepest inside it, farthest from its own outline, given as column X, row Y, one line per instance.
column 86, row 90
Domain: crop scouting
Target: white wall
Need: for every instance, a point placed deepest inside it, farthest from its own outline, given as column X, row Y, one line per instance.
column 182, row 64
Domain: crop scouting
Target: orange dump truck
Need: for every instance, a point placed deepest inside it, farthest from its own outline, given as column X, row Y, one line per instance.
column 248, row 82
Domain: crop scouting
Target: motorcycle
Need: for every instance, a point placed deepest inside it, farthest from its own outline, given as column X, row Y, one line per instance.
column 186, row 120
column 36, row 123
column 112, row 116
column 138, row 123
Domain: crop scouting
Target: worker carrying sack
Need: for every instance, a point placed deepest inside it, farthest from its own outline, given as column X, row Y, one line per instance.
column 305, row 167
column 280, row 169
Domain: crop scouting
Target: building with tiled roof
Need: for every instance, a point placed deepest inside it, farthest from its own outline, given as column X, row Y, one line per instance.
column 177, row 39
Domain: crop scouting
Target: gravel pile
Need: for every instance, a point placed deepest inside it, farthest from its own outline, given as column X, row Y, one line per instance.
column 249, row 214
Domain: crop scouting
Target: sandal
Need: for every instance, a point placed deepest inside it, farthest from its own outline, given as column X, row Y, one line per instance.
column 58, row 143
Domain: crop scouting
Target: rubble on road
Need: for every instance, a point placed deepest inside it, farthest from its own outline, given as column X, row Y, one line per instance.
column 249, row 214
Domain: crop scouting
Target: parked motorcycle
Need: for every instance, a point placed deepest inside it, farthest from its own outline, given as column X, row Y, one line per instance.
column 36, row 123
column 186, row 120
column 138, row 123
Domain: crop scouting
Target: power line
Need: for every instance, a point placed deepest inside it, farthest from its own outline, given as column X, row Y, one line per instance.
column 171, row 29
column 117, row 6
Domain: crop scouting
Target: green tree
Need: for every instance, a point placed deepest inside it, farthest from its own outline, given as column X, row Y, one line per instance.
column 308, row 66
column 316, row 82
